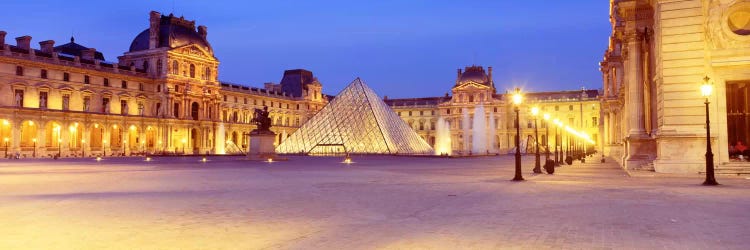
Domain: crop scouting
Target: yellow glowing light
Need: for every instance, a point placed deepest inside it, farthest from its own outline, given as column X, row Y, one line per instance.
column 114, row 126
column 269, row 160
column 148, row 158
column 5, row 122
column 5, row 139
column 517, row 97
column 546, row 117
column 98, row 158
column 534, row 111
column 33, row 139
column 104, row 141
column 96, row 125
column 72, row 129
column 59, row 140
column 132, row 127
column 184, row 140
column 707, row 87
column 348, row 161
column 159, row 141
column 229, row 141
column 83, row 141
column 31, row 123
column 204, row 159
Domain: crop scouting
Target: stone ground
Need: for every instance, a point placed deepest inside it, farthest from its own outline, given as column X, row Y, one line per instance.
column 375, row 203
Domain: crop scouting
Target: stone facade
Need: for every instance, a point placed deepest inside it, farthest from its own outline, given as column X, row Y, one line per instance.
column 473, row 88
column 658, row 54
column 162, row 96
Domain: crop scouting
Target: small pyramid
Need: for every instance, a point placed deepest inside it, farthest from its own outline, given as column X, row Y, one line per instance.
column 356, row 121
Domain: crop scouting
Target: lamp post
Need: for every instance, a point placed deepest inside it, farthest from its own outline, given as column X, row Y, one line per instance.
column 83, row 148
column 557, row 141
column 104, row 148
column 706, row 89
column 59, row 147
column 517, row 99
column 34, row 140
column 6, row 146
column 546, row 138
column 537, row 166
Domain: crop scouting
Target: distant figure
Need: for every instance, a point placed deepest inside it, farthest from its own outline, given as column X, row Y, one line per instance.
column 742, row 150
column 19, row 100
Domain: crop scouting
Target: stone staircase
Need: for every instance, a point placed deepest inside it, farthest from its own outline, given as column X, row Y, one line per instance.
column 732, row 169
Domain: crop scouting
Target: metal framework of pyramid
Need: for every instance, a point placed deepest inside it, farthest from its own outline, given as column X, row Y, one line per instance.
column 356, row 121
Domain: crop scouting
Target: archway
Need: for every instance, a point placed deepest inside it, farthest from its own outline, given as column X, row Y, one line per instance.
column 96, row 137
column 52, row 136
column 150, row 138
column 75, row 136
column 133, row 140
column 194, row 110
column 115, row 139
column 5, row 129
column 28, row 135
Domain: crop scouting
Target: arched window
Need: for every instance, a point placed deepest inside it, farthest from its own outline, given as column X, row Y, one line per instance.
column 208, row 74
column 175, row 68
column 145, row 66
column 192, row 71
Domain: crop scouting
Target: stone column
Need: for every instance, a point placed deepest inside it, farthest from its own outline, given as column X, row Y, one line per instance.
column 606, row 82
column 41, row 141
column 635, row 91
column 14, row 144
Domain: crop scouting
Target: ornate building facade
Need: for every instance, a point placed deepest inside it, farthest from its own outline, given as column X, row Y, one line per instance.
column 658, row 55
column 162, row 96
column 493, row 131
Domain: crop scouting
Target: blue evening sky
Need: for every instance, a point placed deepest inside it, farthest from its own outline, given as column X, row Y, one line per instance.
column 404, row 48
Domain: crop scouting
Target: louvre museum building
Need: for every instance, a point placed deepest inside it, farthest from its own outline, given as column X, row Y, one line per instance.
column 163, row 96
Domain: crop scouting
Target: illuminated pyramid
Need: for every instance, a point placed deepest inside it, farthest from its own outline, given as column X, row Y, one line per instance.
column 356, row 121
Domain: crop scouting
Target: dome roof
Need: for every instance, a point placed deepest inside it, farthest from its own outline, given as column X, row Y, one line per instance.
column 474, row 74
column 173, row 32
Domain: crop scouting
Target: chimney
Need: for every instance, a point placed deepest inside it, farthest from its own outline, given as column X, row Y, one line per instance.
column 458, row 75
column 88, row 54
column 203, row 31
column 2, row 38
column 489, row 74
column 23, row 42
column 47, row 46
column 154, row 22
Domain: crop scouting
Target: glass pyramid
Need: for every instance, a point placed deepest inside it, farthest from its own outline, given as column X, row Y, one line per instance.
column 356, row 121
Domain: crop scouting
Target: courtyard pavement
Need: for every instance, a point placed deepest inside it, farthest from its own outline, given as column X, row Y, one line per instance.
column 374, row 203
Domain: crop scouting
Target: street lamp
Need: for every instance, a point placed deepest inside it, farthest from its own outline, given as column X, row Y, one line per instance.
column 83, row 147
column 34, row 140
column 104, row 148
column 557, row 141
column 59, row 147
column 546, row 139
column 6, row 146
column 706, row 89
column 537, row 166
column 517, row 99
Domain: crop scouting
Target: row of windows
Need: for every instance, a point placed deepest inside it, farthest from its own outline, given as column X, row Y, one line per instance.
column 43, row 103
column 86, row 78
column 263, row 102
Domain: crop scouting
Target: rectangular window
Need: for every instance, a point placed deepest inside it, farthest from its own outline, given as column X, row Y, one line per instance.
column 124, row 107
column 105, row 105
column 43, row 74
column 421, row 112
column 245, row 100
column 106, row 82
column 409, row 113
column 570, row 107
column 43, row 100
column 225, row 98
column 66, row 101
column 557, row 108
column 140, row 108
column 140, row 86
column 86, row 103
column 66, row 76
column 86, row 80
column 594, row 121
column 19, row 98
column 235, row 99
column 19, row 71
column 124, row 84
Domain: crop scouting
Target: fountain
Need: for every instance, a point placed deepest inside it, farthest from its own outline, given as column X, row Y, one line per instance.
column 479, row 126
column 219, row 142
column 466, row 125
column 442, row 137
column 492, row 135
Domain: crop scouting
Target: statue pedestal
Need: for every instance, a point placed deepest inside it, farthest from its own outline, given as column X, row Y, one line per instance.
column 261, row 145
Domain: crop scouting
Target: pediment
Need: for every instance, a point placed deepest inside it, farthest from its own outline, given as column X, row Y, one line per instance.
column 194, row 50
column 471, row 86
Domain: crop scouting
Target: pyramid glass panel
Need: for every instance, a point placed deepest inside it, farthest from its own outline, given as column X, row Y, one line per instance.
column 356, row 121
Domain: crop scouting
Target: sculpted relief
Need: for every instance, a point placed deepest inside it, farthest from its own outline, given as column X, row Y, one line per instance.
column 727, row 25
